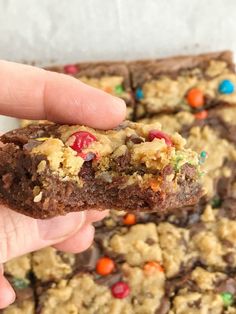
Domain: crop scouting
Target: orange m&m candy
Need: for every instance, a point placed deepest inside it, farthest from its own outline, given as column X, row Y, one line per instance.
column 201, row 115
column 108, row 89
column 129, row 219
column 195, row 97
column 105, row 266
column 149, row 267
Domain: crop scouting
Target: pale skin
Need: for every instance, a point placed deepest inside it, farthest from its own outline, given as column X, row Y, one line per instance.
column 31, row 93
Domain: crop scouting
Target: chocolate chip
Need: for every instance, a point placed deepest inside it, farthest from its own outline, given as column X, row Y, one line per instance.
column 228, row 285
column 188, row 171
column 24, row 294
column 167, row 170
column 197, row 228
column 109, row 280
column 87, row 171
column 150, row 241
column 227, row 243
column 164, row 307
column 229, row 258
column 122, row 162
column 134, row 139
column 31, row 144
column 122, row 126
column 195, row 304
column 88, row 259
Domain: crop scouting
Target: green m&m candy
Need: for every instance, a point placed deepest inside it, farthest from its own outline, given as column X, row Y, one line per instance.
column 228, row 298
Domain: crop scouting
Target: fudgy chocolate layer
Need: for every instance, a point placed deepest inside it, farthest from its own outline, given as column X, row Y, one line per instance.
column 99, row 69
column 143, row 71
column 19, row 176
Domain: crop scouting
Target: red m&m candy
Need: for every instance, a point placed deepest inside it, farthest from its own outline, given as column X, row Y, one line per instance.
column 82, row 139
column 120, row 290
column 195, row 98
column 71, row 69
column 160, row 135
column 201, row 115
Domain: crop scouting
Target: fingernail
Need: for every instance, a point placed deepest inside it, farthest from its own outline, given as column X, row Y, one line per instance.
column 60, row 227
column 118, row 101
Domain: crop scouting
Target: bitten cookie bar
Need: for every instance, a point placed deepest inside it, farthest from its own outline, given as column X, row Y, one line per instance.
column 49, row 170
column 111, row 77
column 18, row 272
column 184, row 83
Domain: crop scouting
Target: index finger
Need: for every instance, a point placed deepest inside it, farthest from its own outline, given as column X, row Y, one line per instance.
column 33, row 93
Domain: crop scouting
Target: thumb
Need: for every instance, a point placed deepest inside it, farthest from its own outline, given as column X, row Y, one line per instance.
column 20, row 234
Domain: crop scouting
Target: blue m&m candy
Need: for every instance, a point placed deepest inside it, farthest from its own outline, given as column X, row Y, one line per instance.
column 139, row 93
column 226, row 87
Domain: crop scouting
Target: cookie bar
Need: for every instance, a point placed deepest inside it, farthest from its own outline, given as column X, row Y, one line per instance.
column 188, row 83
column 18, row 272
column 112, row 77
column 137, row 291
column 106, row 281
column 49, row 170
column 200, row 292
column 206, row 238
column 209, row 242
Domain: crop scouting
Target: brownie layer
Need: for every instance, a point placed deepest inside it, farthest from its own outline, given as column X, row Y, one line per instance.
column 143, row 71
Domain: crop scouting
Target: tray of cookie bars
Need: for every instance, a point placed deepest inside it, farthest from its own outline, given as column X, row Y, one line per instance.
column 143, row 262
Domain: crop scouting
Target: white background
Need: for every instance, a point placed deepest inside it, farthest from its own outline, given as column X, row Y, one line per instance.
column 64, row 31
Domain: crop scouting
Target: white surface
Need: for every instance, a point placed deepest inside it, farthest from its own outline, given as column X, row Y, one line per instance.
column 65, row 31
column 61, row 31
column 7, row 124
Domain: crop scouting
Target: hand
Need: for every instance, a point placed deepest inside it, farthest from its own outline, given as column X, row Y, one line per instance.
column 32, row 93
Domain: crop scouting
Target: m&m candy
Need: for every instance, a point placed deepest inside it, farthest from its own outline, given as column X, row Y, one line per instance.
column 119, row 89
column 160, row 135
column 203, row 156
column 105, row 266
column 201, row 115
column 227, row 298
column 120, row 290
column 139, row 93
column 129, row 219
column 108, row 89
column 226, row 87
column 149, row 267
column 71, row 69
column 81, row 140
column 195, row 98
